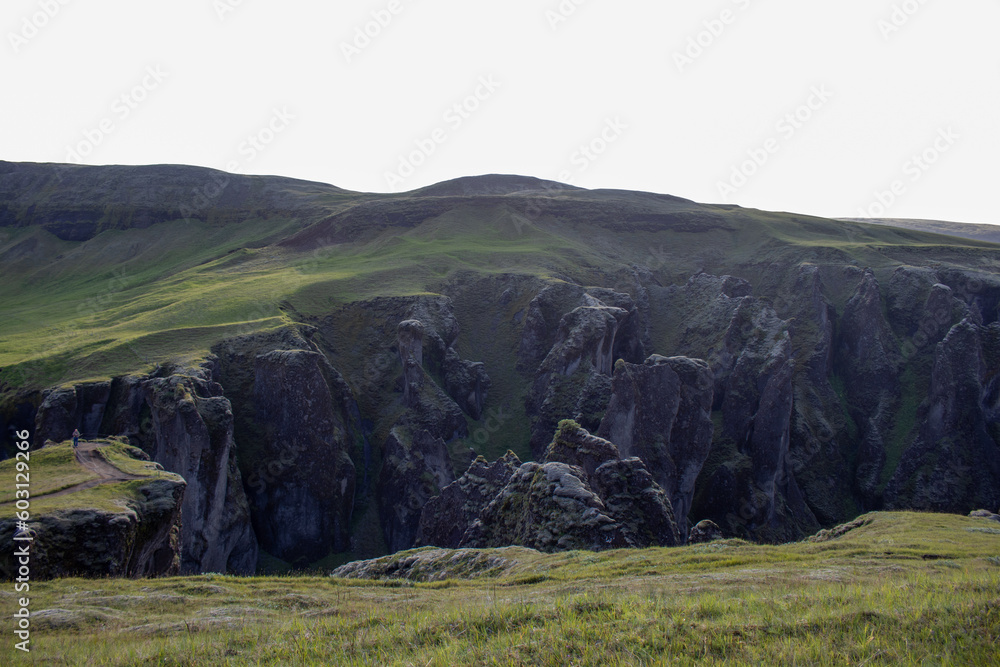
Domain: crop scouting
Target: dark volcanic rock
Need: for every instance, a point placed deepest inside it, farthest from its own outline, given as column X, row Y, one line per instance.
column 410, row 341
column 68, row 408
column 466, row 382
column 589, row 500
column 575, row 446
column 414, row 469
column 640, row 505
column 868, row 358
column 181, row 420
column 953, row 464
column 574, row 379
column 750, row 488
column 661, row 411
column 303, row 497
column 548, row 507
column 434, row 565
column 445, row 518
column 141, row 539
column 705, row 531
column 190, row 432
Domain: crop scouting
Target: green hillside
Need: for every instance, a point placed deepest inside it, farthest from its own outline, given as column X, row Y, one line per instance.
column 128, row 298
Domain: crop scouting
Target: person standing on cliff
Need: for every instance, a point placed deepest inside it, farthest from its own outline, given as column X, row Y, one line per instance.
column 76, row 437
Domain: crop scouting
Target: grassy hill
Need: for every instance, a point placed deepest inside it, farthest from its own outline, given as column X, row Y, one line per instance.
column 119, row 294
column 888, row 589
column 985, row 232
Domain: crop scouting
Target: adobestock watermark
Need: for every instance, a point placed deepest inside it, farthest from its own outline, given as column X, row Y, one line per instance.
column 534, row 209
column 589, row 152
column 562, row 12
column 899, row 17
column 582, row 158
column 121, row 108
column 911, row 172
column 939, row 318
column 276, row 467
column 32, row 24
column 365, row 34
column 224, row 8
column 492, row 421
column 708, row 35
column 205, row 196
column 454, row 117
column 23, row 539
column 785, row 129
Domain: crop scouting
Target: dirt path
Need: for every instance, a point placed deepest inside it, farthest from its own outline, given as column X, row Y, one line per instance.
column 88, row 457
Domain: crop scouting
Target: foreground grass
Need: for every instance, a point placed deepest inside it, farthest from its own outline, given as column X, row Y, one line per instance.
column 903, row 589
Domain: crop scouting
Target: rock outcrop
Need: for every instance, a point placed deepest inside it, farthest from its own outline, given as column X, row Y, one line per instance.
column 191, row 433
column 180, row 418
column 704, row 531
column 435, row 564
column 139, row 537
column 868, row 359
column 426, row 340
column 984, row 514
column 590, row 500
column 661, row 412
column 750, row 488
column 67, row 408
column 410, row 342
column 466, row 382
column 445, row 518
column 573, row 381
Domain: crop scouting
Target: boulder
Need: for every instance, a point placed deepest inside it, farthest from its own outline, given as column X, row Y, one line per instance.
column 984, row 514
column 548, row 507
column 639, row 505
column 705, row 530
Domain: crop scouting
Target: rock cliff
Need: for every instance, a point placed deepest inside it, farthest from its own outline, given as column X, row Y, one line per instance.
column 78, row 532
column 180, row 418
column 661, row 412
column 582, row 496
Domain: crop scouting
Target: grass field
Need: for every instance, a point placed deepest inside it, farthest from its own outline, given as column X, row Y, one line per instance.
column 897, row 589
column 128, row 299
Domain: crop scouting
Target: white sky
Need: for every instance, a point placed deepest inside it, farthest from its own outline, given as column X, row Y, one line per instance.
column 231, row 69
